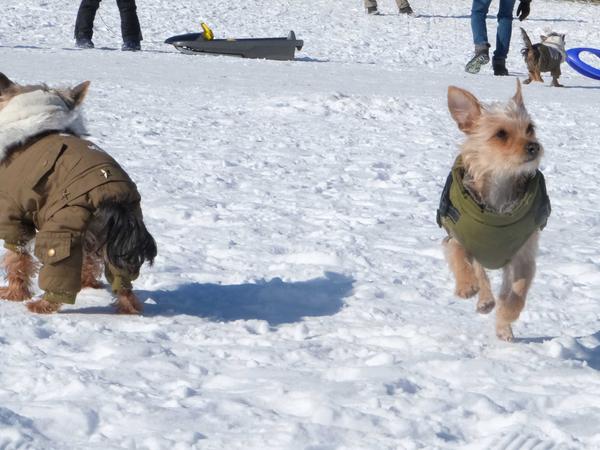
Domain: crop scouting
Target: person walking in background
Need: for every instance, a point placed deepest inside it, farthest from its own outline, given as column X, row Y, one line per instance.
column 403, row 7
column 479, row 12
column 130, row 25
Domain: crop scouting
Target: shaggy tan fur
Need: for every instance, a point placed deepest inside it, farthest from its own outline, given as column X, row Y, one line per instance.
column 128, row 303
column 91, row 271
column 497, row 164
column 93, row 263
column 42, row 306
column 20, row 268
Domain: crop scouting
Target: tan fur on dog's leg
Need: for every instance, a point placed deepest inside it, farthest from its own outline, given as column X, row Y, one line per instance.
column 20, row 268
column 486, row 298
column 518, row 275
column 128, row 303
column 460, row 264
column 91, row 271
column 42, row 306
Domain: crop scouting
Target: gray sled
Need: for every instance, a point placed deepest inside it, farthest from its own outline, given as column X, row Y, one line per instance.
column 280, row 49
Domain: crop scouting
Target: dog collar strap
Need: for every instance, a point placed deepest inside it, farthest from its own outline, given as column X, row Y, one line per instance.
column 492, row 238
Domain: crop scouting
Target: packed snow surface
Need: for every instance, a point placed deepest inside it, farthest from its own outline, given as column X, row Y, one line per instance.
column 300, row 299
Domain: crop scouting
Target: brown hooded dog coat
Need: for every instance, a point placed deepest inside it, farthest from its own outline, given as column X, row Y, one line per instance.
column 52, row 181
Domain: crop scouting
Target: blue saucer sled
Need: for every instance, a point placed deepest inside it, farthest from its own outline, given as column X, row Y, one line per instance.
column 279, row 49
column 574, row 60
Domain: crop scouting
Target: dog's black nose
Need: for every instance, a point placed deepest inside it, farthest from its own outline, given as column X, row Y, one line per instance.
column 532, row 149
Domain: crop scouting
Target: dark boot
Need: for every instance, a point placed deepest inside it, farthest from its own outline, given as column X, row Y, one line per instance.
column 406, row 10
column 481, row 57
column 372, row 10
column 131, row 46
column 499, row 66
column 84, row 43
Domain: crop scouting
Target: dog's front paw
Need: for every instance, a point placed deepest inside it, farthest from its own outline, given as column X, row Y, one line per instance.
column 504, row 333
column 467, row 289
column 42, row 306
column 128, row 303
column 14, row 295
column 485, row 305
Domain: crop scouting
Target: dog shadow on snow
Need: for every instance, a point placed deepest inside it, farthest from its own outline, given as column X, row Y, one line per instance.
column 274, row 301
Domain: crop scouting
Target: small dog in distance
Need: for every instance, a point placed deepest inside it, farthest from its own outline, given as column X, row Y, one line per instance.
column 546, row 56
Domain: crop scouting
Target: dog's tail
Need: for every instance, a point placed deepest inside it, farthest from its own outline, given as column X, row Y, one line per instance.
column 127, row 242
column 528, row 45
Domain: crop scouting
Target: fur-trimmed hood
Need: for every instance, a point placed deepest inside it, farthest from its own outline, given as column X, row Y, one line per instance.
column 32, row 113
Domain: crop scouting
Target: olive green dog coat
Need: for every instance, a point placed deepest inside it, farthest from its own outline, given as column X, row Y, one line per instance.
column 491, row 238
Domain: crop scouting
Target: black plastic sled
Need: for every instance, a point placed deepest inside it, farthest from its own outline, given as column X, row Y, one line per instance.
column 280, row 49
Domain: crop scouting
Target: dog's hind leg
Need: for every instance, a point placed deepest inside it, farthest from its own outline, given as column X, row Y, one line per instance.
column 461, row 264
column 127, row 302
column 555, row 75
column 486, row 301
column 517, row 278
column 20, row 268
column 530, row 79
column 91, row 271
column 538, row 77
column 93, row 264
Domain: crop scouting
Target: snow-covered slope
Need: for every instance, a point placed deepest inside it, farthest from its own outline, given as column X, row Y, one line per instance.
column 300, row 299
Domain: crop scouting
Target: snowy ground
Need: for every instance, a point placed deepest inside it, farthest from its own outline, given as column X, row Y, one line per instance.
column 300, row 299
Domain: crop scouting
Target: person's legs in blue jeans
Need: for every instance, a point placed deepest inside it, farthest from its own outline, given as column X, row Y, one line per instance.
column 504, row 32
column 479, row 12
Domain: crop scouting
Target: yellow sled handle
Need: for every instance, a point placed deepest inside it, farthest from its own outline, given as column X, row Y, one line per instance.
column 208, row 33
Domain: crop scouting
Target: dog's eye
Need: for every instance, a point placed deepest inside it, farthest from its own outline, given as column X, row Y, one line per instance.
column 530, row 129
column 502, row 134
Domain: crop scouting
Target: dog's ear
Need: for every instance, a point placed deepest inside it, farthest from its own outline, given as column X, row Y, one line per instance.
column 78, row 93
column 518, row 97
column 464, row 108
column 5, row 83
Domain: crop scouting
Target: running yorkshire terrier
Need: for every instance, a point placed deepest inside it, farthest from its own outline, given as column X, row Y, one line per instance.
column 494, row 204
column 80, row 206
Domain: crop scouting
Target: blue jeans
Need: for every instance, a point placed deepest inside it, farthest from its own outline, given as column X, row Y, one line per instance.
column 479, row 11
